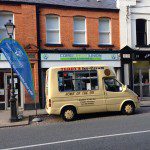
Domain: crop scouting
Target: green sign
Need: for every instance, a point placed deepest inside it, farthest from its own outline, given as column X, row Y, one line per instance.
column 79, row 57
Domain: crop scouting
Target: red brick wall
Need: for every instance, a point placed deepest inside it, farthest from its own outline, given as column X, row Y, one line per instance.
column 66, row 26
column 25, row 33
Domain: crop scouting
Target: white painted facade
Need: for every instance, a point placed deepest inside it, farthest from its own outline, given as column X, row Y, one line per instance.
column 135, row 33
column 130, row 10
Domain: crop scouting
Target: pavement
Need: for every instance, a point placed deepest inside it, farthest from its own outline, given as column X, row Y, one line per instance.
column 29, row 115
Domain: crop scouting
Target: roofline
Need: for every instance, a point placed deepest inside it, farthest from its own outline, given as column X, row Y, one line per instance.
column 61, row 6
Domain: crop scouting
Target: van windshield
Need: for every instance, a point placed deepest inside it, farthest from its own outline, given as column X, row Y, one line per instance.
column 77, row 80
column 112, row 85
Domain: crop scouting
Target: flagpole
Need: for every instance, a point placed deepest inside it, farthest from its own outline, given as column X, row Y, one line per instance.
column 36, row 118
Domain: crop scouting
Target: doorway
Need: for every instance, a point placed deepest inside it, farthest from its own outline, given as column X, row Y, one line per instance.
column 17, row 86
column 142, row 82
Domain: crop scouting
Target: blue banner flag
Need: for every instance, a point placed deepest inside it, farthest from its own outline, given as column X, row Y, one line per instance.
column 18, row 59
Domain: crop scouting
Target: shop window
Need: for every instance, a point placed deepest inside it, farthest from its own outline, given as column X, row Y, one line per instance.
column 2, row 98
column 112, row 85
column 52, row 29
column 77, row 80
column 104, row 31
column 80, row 30
column 141, row 32
column 4, row 18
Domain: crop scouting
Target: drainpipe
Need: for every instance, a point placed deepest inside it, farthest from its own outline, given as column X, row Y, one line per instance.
column 39, row 51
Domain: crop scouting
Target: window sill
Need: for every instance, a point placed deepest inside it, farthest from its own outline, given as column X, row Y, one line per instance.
column 54, row 45
column 105, row 45
column 144, row 46
column 80, row 45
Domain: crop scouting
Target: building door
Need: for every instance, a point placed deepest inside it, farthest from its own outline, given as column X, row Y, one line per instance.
column 142, row 82
column 17, row 87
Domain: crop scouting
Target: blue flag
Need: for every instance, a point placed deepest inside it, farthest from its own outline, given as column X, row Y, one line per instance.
column 18, row 59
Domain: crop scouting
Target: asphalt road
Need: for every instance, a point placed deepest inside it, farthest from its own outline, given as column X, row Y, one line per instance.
column 108, row 132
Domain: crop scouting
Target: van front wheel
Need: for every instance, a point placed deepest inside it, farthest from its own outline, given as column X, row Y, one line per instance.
column 68, row 114
column 128, row 109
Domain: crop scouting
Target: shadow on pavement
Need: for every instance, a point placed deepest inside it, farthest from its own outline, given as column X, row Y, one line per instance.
column 55, row 119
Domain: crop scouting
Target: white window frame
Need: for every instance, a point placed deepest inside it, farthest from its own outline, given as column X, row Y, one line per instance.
column 81, row 31
column 3, row 27
column 53, row 30
column 105, row 32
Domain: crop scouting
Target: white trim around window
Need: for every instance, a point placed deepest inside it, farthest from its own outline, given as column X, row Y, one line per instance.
column 53, row 29
column 4, row 18
column 80, row 33
column 105, row 31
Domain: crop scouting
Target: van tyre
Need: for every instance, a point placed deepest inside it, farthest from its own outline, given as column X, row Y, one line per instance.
column 128, row 108
column 69, row 114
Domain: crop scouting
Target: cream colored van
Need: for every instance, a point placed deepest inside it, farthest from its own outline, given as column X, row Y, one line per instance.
column 86, row 89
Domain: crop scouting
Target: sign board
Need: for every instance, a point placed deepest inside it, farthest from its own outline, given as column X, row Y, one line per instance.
column 79, row 57
column 142, row 56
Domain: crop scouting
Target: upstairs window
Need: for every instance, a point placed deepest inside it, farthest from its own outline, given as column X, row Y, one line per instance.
column 52, row 29
column 80, row 30
column 141, row 32
column 77, row 80
column 4, row 18
column 104, row 31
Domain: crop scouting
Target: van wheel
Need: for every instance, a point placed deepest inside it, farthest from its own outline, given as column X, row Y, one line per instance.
column 69, row 113
column 128, row 108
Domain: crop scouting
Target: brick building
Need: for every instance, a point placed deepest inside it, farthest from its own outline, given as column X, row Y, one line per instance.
column 24, row 18
column 66, row 33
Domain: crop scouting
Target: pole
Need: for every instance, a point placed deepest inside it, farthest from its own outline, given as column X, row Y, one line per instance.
column 13, row 100
column 14, row 116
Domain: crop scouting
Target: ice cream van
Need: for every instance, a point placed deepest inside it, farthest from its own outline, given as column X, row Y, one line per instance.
column 86, row 89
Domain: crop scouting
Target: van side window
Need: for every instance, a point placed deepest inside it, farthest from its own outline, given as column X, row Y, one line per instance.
column 112, row 85
column 78, row 80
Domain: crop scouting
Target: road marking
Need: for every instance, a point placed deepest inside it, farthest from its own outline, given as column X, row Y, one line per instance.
column 74, row 140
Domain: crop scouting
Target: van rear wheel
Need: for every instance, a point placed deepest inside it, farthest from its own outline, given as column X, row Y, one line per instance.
column 69, row 114
column 128, row 109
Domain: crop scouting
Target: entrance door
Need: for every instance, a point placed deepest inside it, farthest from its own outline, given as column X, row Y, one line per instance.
column 142, row 83
column 8, row 89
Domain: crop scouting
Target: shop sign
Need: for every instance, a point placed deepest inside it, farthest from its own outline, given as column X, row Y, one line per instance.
column 2, row 57
column 73, row 56
column 142, row 56
column 126, row 56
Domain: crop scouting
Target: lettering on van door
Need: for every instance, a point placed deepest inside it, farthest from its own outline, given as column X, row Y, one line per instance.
column 87, row 102
column 79, row 93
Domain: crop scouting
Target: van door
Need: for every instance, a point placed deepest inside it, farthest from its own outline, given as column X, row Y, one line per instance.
column 94, row 99
column 113, row 94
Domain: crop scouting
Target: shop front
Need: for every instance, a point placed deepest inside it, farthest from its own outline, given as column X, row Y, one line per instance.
column 5, row 85
column 141, row 65
column 75, row 58
column 136, row 71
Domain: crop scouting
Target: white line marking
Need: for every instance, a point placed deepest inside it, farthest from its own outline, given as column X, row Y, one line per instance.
column 74, row 140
